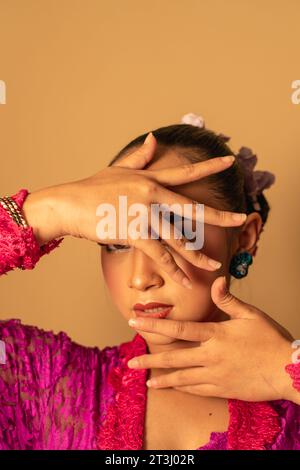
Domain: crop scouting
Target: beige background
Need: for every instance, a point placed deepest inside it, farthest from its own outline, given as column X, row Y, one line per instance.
column 85, row 77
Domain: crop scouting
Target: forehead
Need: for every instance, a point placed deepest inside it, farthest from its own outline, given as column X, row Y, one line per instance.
column 198, row 190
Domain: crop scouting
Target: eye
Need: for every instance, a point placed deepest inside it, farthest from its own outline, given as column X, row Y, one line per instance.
column 110, row 248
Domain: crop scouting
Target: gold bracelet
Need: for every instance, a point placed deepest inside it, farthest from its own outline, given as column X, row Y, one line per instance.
column 13, row 210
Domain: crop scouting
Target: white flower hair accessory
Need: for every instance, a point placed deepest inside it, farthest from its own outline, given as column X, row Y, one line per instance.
column 193, row 120
column 255, row 182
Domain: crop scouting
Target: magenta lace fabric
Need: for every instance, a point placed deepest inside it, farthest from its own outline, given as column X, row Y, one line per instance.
column 52, row 390
column 294, row 371
column 252, row 425
column 56, row 394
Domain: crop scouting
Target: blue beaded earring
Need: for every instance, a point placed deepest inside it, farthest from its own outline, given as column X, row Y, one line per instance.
column 239, row 264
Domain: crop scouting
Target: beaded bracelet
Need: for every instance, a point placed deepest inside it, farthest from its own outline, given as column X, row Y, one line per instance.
column 13, row 210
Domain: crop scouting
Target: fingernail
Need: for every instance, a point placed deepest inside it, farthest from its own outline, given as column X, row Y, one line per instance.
column 148, row 138
column 228, row 158
column 239, row 217
column 132, row 322
column 151, row 383
column 214, row 264
column 187, row 283
column 133, row 363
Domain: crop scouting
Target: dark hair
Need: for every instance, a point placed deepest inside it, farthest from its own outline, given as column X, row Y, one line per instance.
column 199, row 144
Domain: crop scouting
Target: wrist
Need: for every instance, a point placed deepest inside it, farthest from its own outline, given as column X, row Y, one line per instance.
column 40, row 210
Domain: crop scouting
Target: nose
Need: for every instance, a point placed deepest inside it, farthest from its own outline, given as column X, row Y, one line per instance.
column 143, row 273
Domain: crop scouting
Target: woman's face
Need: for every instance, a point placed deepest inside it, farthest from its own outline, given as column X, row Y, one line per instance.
column 133, row 277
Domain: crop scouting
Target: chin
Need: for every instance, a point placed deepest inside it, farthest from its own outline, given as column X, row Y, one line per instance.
column 156, row 338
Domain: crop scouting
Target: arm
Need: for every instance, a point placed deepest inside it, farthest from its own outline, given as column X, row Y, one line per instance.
column 54, row 392
column 22, row 247
column 49, row 389
column 33, row 360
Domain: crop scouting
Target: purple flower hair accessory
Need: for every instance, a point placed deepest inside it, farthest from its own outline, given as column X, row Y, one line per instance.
column 255, row 181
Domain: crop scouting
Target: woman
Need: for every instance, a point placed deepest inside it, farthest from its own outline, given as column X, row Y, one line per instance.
column 57, row 394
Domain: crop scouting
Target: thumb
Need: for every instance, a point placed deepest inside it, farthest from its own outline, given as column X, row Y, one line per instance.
column 227, row 302
column 140, row 157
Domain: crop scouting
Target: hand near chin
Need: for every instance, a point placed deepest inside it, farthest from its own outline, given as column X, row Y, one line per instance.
column 241, row 358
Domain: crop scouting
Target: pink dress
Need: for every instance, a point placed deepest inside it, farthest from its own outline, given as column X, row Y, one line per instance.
column 57, row 394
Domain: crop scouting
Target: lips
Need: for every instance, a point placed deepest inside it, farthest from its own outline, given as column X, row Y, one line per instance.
column 152, row 309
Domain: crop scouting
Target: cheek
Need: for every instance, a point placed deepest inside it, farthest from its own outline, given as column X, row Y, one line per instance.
column 199, row 304
column 112, row 272
column 215, row 243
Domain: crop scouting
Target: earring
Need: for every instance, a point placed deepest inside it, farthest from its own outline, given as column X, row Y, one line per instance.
column 239, row 264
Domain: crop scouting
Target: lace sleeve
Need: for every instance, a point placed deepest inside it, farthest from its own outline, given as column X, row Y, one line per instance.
column 18, row 245
column 294, row 371
column 32, row 361
column 53, row 391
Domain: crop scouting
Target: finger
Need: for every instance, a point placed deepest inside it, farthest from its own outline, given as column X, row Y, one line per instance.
column 187, row 330
column 227, row 302
column 177, row 241
column 140, row 157
column 176, row 201
column 191, row 376
column 204, row 390
column 191, row 171
column 154, row 249
column 196, row 356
